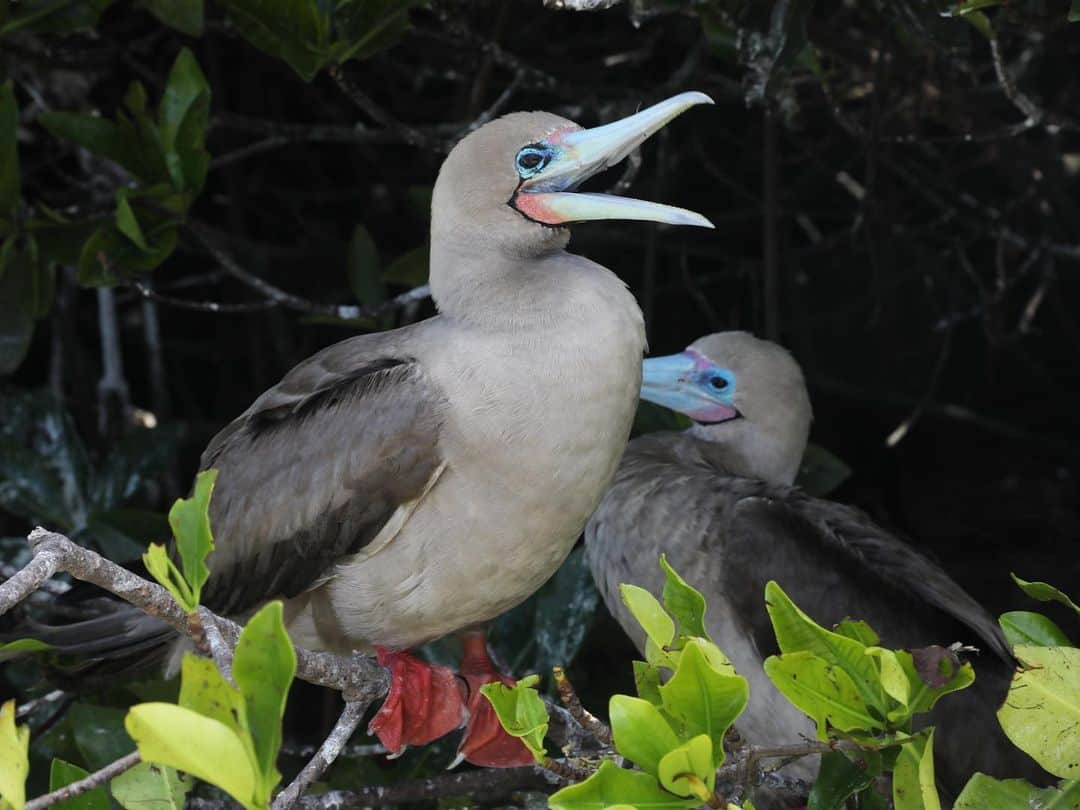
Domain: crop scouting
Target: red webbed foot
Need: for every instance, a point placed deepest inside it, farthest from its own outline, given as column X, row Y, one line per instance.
column 425, row 702
column 485, row 742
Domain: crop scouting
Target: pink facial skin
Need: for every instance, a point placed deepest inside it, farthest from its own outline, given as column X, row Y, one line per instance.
column 713, row 413
column 533, row 206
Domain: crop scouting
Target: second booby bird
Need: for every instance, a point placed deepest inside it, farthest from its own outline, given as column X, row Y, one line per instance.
column 718, row 500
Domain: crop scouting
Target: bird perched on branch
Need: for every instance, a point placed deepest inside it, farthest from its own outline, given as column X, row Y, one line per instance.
column 398, row 487
column 717, row 499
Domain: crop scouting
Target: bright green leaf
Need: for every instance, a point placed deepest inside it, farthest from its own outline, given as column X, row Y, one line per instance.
column 205, row 748
column 9, row 152
column 656, row 623
column 24, row 645
column 521, row 712
column 685, row 603
column 689, row 770
column 839, row 778
column 894, row 679
column 14, row 764
column 796, row 632
column 190, row 522
column 150, row 787
column 647, row 681
column 63, row 773
column 1024, row 628
column 984, row 792
column 263, row 667
column 1041, row 714
column 161, row 567
column 641, row 733
column 913, row 775
column 204, row 690
column 822, row 690
column 860, row 631
column 705, row 699
column 612, row 786
column 185, row 16
column 1044, row 592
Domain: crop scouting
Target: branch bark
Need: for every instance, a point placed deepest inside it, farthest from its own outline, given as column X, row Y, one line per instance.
column 94, row 780
column 324, row 757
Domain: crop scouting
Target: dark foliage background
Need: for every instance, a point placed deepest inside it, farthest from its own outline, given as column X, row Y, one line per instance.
column 894, row 185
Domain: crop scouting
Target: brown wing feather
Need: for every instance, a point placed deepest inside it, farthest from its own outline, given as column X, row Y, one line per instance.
column 316, row 466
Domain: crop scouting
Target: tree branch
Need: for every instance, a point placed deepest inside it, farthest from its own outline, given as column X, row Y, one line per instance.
column 328, row 752
column 94, row 780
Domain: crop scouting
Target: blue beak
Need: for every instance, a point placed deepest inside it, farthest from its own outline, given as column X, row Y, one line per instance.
column 677, row 382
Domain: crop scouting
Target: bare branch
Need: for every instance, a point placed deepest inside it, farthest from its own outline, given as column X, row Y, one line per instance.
column 328, row 752
column 94, row 780
column 573, row 705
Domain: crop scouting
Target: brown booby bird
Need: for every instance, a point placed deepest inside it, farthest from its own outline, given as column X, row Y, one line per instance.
column 718, row 499
column 398, row 487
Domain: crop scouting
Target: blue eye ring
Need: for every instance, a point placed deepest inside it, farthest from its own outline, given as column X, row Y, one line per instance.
column 532, row 159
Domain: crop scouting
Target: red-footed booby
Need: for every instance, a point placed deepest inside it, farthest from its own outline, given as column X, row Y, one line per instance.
column 398, row 487
column 718, row 499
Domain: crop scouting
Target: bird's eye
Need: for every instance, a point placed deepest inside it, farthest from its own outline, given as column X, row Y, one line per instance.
column 532, row 159
column 719, row 383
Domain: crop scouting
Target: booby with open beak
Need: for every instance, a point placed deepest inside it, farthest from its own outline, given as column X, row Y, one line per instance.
column 718, row 500
column 398, row 487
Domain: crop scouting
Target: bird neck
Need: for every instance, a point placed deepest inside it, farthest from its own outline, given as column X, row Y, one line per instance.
column 748, row 451
column 496, row 289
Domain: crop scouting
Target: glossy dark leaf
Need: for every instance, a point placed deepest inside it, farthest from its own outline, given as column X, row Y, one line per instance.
column 99, row 734
column 139, row 457
column 362, row 28
column 1074, row 11
column 565, row 608
column 293, row 30
column 839, row 778
column 1023, row 627
column 183, row 116
column 55, row 16
column 185, row 16
column 98, row 135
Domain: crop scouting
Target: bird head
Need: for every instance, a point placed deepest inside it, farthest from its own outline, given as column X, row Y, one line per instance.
column 743, row 392
column 511, row 184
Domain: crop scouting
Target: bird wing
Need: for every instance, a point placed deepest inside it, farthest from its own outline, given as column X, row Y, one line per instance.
column 329, row 461
column 729, row 535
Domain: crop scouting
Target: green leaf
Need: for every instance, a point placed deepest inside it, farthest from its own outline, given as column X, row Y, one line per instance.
column 183, row 116
column 822, row 690
column 109, row 257
column 190, row 522
column 838, row 779
column 685, row 603
column 657, row 625
column 150, row 787
column 1024, row 628
column 94, row 133
column 362, row 268
column 612, row 786
column 641, row 733
column 1041, row 714
column 689, row 770
column 14, row 762
column 410, row 268
column 99, row 734
column 9, row 151
column 1044, row 592
column 161, row 567
column 126, row 221
column 797, row 632
column 894, row 680
column 55, row 16
column 204, row 690
column 1074, row 11
column 859, row 631
column 296, row 31
column 564, row 611
column 365, row 27
column 647, row 681
column 821, row 472
column 186, row 16
column 63, row 773
column 923, row 696
column 984, row 792
column 188, row 741
column 705, row 699
column 24, row 645
column 263, row 667
column 913, row 775
column 521, row 712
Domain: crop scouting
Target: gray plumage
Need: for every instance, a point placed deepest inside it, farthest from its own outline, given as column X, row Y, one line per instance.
column 729, row 534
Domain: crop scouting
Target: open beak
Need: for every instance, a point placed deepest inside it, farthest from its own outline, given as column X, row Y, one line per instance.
column 671, row 381
column 548, row 197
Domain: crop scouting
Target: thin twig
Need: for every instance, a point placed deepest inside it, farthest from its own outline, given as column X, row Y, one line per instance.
column 569, row 697
column 85, row 785
column 328, row 752
column 48, row 697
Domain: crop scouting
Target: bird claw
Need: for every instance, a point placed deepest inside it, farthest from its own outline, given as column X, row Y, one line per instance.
column 425, row 702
